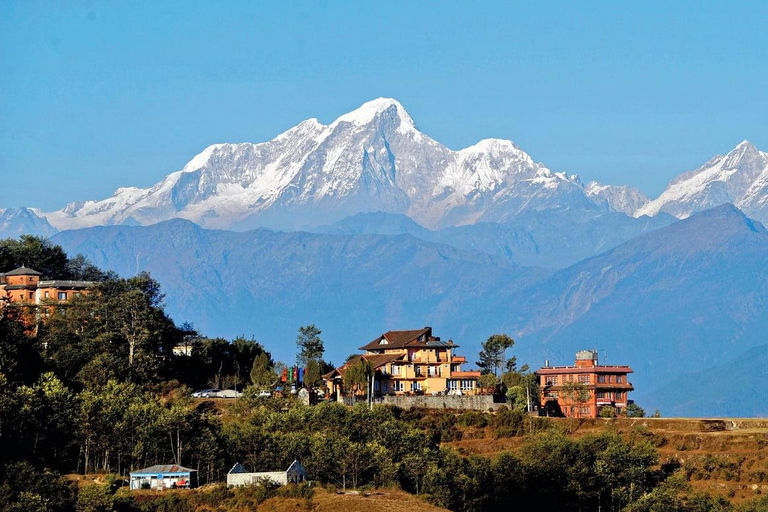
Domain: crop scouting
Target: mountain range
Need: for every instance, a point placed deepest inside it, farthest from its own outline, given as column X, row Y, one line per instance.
column 677, row 300
column 367, row 224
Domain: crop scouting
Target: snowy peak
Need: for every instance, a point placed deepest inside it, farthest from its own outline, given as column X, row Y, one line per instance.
column 386, row 109
column 371, row 159
column 624, row 199
column 15, row 222
column 739, row 177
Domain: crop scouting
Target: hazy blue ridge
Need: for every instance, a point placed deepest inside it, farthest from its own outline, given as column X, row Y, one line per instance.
column 550, row 238
column 267, row 283
column 736, row 387
column 668, row 302
column 675, row 301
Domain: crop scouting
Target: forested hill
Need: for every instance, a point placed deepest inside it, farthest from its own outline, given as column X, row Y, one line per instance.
column 96, row 389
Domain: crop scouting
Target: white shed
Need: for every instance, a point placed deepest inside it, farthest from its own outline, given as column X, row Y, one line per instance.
column 238, row 476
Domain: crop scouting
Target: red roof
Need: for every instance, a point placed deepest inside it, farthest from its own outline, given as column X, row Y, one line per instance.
column 418, row 338
column 558, row 370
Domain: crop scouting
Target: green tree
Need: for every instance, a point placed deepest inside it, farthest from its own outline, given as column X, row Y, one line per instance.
column 575, row 395
column 263, row 375
column 311, row 347
column 493, row 354
column 358, row 377
column 635, row 411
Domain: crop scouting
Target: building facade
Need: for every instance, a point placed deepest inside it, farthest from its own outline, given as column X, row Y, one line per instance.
column 410, row 362
column 26, row 286
column 584, row 389
column 169, row 476
column 31, row 298
column 238, row 476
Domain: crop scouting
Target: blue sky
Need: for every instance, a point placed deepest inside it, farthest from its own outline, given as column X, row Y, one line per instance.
column 98, row 95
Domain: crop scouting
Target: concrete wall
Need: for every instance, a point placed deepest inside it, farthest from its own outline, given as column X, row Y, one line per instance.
column 238, row 479
column 465, row 402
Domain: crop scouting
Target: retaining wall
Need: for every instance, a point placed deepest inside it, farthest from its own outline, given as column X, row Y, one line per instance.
column 464, row 402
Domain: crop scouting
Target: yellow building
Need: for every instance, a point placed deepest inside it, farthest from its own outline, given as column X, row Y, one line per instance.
column 411, row 362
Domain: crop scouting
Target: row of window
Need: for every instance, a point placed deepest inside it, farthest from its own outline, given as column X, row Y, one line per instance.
column 554, row 380
column 463, row 384
column 608, row 395
column 600, row 395
column 61, row 295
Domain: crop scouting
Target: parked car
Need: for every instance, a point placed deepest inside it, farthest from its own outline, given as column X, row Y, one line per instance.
column 228, row 393
column 206, row 393
column 265, row 393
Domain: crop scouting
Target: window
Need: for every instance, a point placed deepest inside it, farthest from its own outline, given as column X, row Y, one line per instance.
column 584, row 379
column 386, row 387
column 47, row 295
column 62, row 295
column 453, row 385
column 397, row 385
column 619, row 396
column 585, row 410
column 417, row 370
column 467, row 385
column 31, row 295
column 619, row 379
column 415, row 386
column 601, row 379
column 551, row 380
column 395, row 369
column 434, row 371
column 600, row 394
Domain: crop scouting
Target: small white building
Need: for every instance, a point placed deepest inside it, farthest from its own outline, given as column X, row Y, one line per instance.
column 167, row 476
column 238, row 476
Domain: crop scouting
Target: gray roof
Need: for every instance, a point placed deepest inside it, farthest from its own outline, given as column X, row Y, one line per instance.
column 23, row 271
column 65, row 284
column 164, row 469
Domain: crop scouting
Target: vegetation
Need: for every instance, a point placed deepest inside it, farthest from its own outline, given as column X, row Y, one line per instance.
column 97, row 389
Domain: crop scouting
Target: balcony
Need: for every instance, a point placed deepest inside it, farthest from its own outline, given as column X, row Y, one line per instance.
column 428, row 360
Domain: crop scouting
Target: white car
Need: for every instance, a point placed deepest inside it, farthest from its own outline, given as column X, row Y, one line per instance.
column 206, row 393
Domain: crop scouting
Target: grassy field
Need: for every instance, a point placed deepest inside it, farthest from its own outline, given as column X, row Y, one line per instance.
column 726, row 457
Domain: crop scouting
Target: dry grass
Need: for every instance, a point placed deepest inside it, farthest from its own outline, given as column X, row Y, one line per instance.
column 372, row 501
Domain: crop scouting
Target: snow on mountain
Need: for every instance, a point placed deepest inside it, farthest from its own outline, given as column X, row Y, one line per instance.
column 622, row 199
column 371, row 159
column 15, row 222
column 740, row 177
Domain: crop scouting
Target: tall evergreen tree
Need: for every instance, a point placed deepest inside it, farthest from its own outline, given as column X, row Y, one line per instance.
column 493, row 354
column 311, row 347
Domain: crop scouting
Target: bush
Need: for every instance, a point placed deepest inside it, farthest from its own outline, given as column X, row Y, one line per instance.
column 635, row 411
column 607, row 412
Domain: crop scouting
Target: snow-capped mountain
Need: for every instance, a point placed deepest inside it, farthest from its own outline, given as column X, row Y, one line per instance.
column 617, row 198
column 23, row 221
column 371, row 159
column 740, row 177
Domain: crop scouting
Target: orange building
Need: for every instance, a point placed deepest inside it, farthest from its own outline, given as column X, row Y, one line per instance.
column 582, row 390
column 24, row 287
column 411, row 362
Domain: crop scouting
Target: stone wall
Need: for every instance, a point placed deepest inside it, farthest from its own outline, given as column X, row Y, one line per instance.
column 464, row 402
